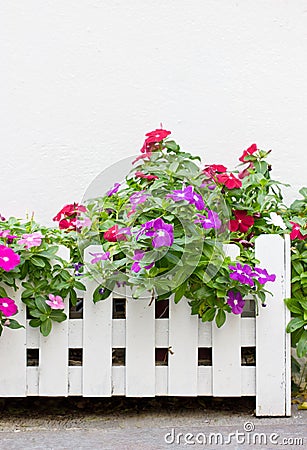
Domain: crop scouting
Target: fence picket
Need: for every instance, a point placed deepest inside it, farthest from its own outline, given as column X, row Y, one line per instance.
column 271, row 358
column 13, row 354
column 97, row 340
column 140, row 347
column 183, row 343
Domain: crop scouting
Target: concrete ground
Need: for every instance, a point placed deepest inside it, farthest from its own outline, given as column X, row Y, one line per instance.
column 119, row 423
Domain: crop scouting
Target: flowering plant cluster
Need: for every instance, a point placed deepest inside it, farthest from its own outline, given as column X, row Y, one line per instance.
column 28, row 258
column 162, row 230
column 164, row 227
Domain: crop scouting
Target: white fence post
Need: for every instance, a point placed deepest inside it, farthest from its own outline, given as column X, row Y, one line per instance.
column 272, row 345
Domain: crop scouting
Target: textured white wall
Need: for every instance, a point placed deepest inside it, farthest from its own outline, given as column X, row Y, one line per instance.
column 82, row 81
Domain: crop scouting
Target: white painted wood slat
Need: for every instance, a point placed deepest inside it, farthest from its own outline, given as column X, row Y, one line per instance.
column 97, row 340
column 270, row 332
column 140, row 347
column 183, row 341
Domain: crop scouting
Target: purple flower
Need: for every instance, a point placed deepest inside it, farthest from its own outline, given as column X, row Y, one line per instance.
column 189, row 195
column 101, row 256
column 77, row 267
column 243, row 274
column 263, row 276
column 138, row 197
column 137, row 257
column 113, row 190
column 212, row 221
column 236, row 302
column 161, row 232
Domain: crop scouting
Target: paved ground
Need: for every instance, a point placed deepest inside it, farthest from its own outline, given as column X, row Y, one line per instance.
column 145, row 424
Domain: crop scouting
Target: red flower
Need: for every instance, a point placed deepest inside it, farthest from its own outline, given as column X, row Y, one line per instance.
column 229, row 180
column 144, row 156
column 242, row 222
column 139, row 174
column 296, row 232
column 252, row 149
column 244, row 173
column 210, row 170
column 115, row 234
column 68, row 214
column 152, row 138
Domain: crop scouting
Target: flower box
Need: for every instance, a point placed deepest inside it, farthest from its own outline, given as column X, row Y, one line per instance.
column 123, row 346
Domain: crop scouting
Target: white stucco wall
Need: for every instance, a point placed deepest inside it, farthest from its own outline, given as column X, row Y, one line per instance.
column 82, row 81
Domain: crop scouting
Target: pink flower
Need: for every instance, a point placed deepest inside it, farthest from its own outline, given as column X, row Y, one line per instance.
column 252, row 149
column 8, row 258
column 82, row 223
column 139, row 174
column 55, row 302
column 296, row 232
column 31, row 240
column 8, row 307
column 229, row 180
column 153, row 137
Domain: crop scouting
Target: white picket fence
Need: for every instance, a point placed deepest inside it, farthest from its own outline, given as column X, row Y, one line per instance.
column 101, row 355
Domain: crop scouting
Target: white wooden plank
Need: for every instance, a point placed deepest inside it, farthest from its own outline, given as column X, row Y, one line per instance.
column 248, row 378
column 13, row 353
column 32, row 381
column 226, row 350
column 53, row 361
column 162, row 326
column 226, row 357
column 248, row 332
column 204, row 334
column 53, row 355
column 204, row 380
column 118, row 380
column 287, row 294
column 75, row 333
column 161, row 380
column 140, row 348
column 97, row 340
column 119, row 333
column 75, row 380
column 270, row 332
column 33, row 336
column 183, row 340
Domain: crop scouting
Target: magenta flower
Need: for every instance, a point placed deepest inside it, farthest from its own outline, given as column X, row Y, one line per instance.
column 263, row 276
column 137, row 257
column 8, row 307
column 6, row 234
column 161, row 232
column 189, row 195
column 55, row 302
column 8, row 258
column 31, row 240
column 210, row 221
column 100, row 257
column 113, row 190
column 243, row 274
column 236, row 302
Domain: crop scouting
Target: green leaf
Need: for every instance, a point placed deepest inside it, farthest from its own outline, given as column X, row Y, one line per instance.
column 97, row 296
column 46, row 327
column 294, row 306
column 220, row 318
column 39, row 262
column 179, row 293
column 14, row 324
column 294, row 324
column 34, row 323
column 57, row 316
column 35, row 312
column 42, row 305
column 73, row 297
column 208, row 316
column 301, row 348
column 3, row 293
column 79, row 286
